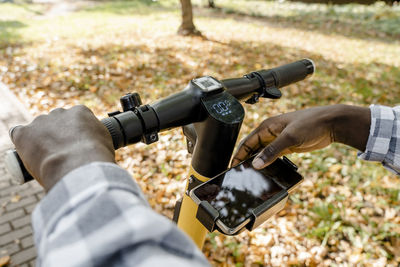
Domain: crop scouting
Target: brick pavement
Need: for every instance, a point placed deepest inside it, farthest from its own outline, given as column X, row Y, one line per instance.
column 16, row 202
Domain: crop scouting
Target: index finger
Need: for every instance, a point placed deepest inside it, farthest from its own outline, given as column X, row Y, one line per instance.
column 247, row 147
column 259, row 138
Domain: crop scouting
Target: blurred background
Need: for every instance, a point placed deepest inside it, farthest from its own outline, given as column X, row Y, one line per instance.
column 59, row 53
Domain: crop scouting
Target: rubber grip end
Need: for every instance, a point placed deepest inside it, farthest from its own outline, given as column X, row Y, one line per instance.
column 314, row 68
column 13, row 167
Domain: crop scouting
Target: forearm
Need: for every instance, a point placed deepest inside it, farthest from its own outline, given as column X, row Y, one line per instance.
column 350, row 125
column 98, row 214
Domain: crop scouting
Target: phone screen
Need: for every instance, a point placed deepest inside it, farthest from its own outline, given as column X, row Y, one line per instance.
column 236, row 192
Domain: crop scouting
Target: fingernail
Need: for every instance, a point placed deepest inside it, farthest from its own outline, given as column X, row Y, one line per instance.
column 258, row 163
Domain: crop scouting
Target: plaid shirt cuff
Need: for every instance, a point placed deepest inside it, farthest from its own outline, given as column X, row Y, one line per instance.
column 384, row 140
column 380, row 133
column 76, row 187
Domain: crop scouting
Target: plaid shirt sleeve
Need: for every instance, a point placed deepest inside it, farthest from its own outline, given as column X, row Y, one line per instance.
column 97, row 216
column 384, row 139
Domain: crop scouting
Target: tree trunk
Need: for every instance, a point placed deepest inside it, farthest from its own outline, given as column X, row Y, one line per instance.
column 187, row 27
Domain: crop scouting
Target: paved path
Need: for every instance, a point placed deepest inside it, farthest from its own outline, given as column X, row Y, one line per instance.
column 62, row 7
column 16, row 202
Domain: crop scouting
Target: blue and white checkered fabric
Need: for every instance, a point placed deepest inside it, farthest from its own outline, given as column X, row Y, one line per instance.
column 97, row 216
column 384, row 139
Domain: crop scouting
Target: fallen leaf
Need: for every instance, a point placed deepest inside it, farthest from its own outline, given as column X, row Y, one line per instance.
column 15, row 198
column 5, row 260
column 335, row 168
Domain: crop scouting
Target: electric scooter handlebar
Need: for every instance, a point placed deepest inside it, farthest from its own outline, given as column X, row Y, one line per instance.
column 143, row 122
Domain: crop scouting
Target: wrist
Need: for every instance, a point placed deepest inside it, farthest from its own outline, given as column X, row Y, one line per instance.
column 350, row 125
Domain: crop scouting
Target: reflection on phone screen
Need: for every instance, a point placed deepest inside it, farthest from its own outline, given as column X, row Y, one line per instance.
column 237, row 192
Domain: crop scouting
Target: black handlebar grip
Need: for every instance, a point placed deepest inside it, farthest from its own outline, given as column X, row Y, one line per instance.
column 16, row 168
column 290, row 73
column 114, row 129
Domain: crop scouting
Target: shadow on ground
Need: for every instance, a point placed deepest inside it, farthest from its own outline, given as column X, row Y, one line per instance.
column 380, row 26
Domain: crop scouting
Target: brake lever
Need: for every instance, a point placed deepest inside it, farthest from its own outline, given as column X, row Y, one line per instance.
column 267, row 91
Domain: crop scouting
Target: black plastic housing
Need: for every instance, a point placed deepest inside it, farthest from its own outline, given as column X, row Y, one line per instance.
column 216, row 135
column 283, row 173
column 208, row 215
column 268, row 209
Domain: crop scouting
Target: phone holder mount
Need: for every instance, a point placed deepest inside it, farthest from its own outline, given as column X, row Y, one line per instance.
column 208, row 215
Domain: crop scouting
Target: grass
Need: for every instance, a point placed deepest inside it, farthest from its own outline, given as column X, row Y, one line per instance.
column 14, row 22
column 24, row 23
column 378, row 19
column 141, row 7
column 96, row 54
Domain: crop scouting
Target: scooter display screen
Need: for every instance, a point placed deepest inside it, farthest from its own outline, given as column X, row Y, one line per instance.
column 236, row 192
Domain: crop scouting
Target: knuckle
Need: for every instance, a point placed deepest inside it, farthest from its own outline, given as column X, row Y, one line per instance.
column 275, row 128
column 241, row 143
column 16, row 133
column 82, row 111
column 38, row 119
column 80, row 108
column 270, row 121
column 291, row 138
column 270, row 150
column 57, row 110
column 272, row 127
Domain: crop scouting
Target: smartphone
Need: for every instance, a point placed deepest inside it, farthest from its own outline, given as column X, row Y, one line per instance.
column 242, row 193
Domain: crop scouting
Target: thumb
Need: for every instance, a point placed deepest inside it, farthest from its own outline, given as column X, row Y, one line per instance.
column 272, row 151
